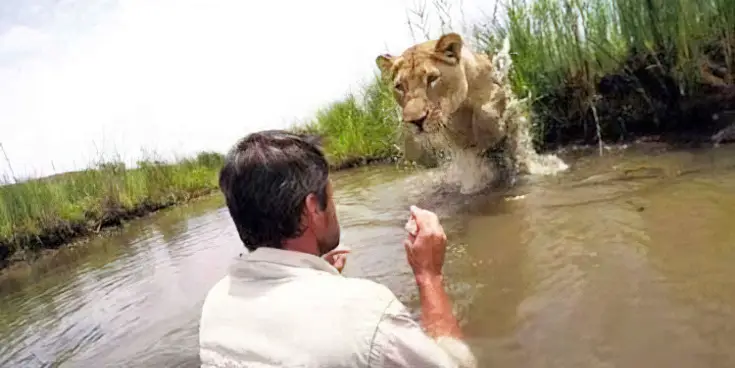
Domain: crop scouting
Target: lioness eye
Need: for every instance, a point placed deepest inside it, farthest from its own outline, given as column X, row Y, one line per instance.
column 431, row 80
column 398, row 87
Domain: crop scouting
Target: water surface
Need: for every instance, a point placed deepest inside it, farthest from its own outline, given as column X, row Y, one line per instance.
column 624, row 260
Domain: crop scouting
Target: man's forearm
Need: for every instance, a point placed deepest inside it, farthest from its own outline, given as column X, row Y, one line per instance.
column 436, row 308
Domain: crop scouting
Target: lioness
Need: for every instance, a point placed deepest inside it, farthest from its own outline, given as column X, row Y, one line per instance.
column 459, row 99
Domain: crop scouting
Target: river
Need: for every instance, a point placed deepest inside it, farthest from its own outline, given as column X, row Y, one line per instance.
column 624, row 260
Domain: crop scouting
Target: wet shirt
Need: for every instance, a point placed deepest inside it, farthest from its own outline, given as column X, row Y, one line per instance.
column 278, row 308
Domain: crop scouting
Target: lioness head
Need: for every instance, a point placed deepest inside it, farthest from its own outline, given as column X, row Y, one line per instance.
column 429, row 81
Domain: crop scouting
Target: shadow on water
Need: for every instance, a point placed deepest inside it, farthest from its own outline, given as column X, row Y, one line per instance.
column 622, row 261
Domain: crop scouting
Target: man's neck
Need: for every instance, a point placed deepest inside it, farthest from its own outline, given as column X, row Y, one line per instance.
column 303, row 245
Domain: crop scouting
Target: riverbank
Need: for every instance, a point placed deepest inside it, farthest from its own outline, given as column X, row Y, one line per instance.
column 360, row 128
column 608, row 72
column 596, row 73
column 104, row 212
column 616, row 71
column 46, row 213
column 56, row 212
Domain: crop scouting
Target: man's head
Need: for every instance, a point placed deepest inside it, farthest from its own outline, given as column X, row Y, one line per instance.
column 276, row 185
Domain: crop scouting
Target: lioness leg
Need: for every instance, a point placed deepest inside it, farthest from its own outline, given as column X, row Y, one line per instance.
column 494, row 141
column 488, row 127
column 519, row 146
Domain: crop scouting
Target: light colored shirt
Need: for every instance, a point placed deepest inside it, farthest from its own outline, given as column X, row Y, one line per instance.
column 278, row 308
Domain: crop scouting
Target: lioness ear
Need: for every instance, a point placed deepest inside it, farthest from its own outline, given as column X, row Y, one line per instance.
column 449, row 47
column 385, row 63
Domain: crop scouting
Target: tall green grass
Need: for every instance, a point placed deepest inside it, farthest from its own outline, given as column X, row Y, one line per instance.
column 554, row 41
column 561, row 52
column 44, row 212
column 563, row 48
column 363, row 125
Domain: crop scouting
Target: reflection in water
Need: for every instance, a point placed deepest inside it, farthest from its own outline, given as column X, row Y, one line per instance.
column 625, row 260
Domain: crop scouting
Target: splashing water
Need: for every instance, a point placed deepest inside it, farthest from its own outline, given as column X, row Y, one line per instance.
column 515, row 117
column 529, row 161
column 468, row 170
column 471, row 171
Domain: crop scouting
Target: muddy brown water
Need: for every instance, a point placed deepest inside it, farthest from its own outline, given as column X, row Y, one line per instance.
column 626, row 260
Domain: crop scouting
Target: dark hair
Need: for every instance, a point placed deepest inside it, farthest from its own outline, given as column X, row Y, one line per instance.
column 265, row 179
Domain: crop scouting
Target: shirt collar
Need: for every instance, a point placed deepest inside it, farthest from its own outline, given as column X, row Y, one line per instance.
column 289, row 258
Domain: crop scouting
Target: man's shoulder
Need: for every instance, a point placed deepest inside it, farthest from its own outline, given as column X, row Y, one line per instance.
column 364, row 288
column 352, row 295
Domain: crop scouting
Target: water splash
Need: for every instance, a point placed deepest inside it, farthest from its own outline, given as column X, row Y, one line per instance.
column 528, row 160
column 515, row 117
column 468, row 170
column 473, row 172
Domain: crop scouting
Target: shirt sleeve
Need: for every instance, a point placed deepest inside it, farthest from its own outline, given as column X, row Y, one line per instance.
column 400, row 342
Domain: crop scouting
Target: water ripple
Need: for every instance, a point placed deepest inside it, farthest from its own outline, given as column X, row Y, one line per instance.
column 583, row 270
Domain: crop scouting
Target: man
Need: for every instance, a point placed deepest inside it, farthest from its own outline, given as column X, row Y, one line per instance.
column 285, row 304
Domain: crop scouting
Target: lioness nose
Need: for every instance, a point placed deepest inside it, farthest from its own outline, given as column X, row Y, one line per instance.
column 415, row 112
column 418, row 122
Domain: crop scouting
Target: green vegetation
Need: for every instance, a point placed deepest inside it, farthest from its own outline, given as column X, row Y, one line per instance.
column 615, row 68
column 43, row 213
column 594, row 69
column 359, row 127
column 46, row 212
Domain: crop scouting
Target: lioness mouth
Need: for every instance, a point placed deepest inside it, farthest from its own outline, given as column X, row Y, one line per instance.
column 419, row 123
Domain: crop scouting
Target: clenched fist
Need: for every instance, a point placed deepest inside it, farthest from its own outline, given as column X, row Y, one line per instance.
column 425, row 244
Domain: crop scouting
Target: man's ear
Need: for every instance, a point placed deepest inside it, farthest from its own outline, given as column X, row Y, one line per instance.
column 310, row 213
column 449, row 47
column 385, row 64
column 311, row 204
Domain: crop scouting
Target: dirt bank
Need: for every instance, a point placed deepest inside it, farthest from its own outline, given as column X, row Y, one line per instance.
column 645, row 98
column 30, row 247
column 65, row 233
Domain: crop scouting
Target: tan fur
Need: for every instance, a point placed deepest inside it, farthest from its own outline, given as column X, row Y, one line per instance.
column 467, row 105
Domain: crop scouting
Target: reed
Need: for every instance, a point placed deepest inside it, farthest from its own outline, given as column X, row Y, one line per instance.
column 612, row 64
column 361, row 126
column 593, row 69
column 45, row 212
